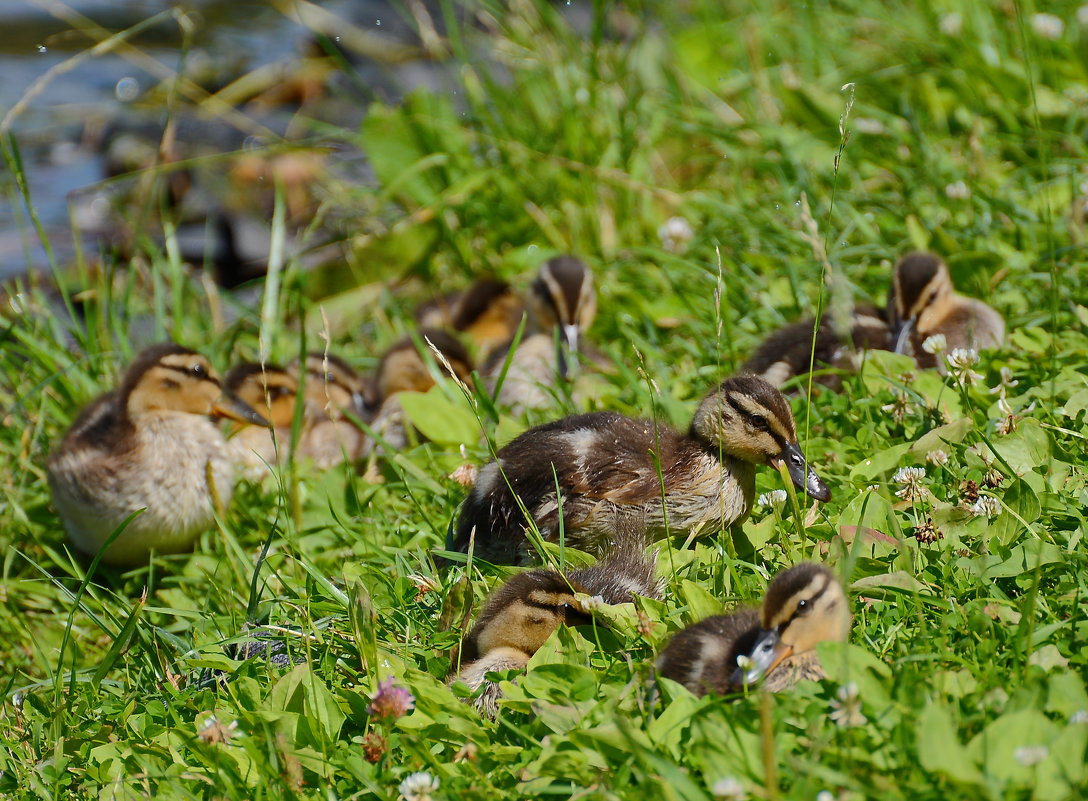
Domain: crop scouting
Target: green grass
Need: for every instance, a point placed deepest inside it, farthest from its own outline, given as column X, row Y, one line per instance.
column 969, row 654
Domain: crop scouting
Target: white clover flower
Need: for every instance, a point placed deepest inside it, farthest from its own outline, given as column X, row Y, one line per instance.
column 986, row 506
column 1004, row 407
column 900, row 408
column 594, row 603
column 962, row 358
column 935, row 343
column 951, row 24
column 1028, row 755
column 675, row 234
column 1006, row 383
column 846, row 710
column 825, row 795
column 1082, row 16
column 729, row 787
column 1047, row 26
column 957, row 190
column 418, row 787
column 773, row 498
column 1078, row 717
column 982, row 452
column 911, row 479
column 937, row 457
column 960, row 362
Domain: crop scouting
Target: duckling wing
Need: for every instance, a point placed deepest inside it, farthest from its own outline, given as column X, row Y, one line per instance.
column 618, row 459
column 600, row 456
column 99, row 425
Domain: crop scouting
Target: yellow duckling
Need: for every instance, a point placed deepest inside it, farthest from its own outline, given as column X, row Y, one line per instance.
column 614, row 472
column 562, row 305
column 403, row 368
column 521, row 615
column 147, row 445
column 924, row 303
column 273, row 393
column 790, row 350
column 334, row 394
column 804, row 606
column 488, row 312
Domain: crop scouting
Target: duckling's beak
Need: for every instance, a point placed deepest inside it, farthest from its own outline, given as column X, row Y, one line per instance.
column 764, row 657
column 568, row 351
column 233, row 408
column 803, row 476
column 901, row 335
column 359, row 407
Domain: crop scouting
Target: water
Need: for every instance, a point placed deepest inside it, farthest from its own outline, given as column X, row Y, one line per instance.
column 62, row 132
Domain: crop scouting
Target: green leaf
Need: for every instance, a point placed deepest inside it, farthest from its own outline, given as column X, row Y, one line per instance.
column 1001, row 748
column 940, row 437
column 439, row 419
column 321, row 706
column 939, row 748
column 881, row 462
column 1020, row 506
column 700, row 602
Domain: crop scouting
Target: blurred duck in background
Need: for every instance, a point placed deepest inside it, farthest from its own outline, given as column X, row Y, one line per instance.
column 148, row 451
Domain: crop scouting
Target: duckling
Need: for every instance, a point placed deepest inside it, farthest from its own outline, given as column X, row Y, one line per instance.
column 333, row 393
column 562, row 305
column 273, row 393
column 521, row 615
column 923, row 303
column 614, row 471
column 488, row 312
column 804, row 605
column 148, row 445
column 403, row 368
column 788, row 352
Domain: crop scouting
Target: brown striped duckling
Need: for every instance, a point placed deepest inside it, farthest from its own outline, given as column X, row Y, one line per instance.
column 405, row 368
column 488, row 312
column 150, row 445
column 273, row 393
column 335, row 396
column 614, row 471
column 562, row 305
column 790, row 351
column 804, row 606
column 521, row 615
column 923, row 303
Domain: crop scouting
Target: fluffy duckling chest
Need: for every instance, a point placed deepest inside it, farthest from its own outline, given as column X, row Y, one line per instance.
column 164, row 469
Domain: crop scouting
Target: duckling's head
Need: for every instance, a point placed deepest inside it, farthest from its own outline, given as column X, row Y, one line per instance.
column 404, row 368
column 269, row 389
column 804, row 606
column 170, row 378
column 332, row 384
column 523, row 613
column 921, row 280
column 747, row 418
column 563, row 295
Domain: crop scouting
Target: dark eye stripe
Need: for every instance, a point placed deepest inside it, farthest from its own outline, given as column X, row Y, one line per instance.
column 187, row 372
column 811, row 605
column 754, row 419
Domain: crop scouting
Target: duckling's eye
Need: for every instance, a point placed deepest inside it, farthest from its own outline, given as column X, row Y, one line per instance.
column 802, row 606
column 566, row 608
column 761, row 423
column 198, row 371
